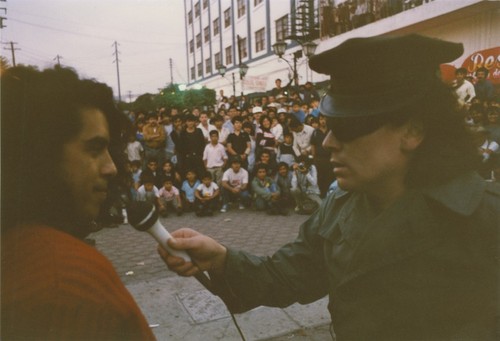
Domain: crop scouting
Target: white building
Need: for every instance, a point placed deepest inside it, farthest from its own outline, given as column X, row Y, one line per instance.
column 213, row 27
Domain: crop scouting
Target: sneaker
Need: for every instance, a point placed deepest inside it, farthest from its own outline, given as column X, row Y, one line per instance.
column 241, row 207
column 223, row 209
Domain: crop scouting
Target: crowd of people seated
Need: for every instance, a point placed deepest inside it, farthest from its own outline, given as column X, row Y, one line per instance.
column 481, row 109
column 266, row 155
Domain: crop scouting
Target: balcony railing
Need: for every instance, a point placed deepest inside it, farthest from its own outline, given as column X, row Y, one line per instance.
column 351, row 14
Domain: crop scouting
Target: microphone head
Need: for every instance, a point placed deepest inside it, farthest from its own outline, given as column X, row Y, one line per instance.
column 142, row 215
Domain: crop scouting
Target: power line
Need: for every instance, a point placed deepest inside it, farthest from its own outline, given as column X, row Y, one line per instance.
column 117, row 61
column 12, row 49
column 58, row 57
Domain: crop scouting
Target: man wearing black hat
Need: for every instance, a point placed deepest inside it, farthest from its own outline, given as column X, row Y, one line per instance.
column 407, row 247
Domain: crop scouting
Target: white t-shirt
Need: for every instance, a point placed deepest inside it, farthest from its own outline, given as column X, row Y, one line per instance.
column 491, row 145
column 207, row 191
column 143, row 195
column 466, row 90
column 206, row 131
column 214, row 155
column 134, row 150
column 235, row 179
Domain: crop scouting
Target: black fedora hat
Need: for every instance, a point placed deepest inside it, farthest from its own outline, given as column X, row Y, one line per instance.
column 381, row 74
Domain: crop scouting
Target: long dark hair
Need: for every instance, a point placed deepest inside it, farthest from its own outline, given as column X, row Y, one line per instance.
column 41, row 111
column 447, row 149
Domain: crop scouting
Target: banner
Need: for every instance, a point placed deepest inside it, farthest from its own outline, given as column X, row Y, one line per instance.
column 489, row 58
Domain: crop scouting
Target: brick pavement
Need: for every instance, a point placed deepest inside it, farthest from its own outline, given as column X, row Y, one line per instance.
column 165, row 298
column 248, row 230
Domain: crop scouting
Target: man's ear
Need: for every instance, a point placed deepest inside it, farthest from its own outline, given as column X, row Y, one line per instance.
column 413, row 136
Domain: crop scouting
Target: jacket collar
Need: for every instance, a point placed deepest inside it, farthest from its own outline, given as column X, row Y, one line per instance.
column 462, row 194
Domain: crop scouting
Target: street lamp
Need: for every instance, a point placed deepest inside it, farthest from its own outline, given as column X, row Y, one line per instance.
column 309, row 48
column 243, row 69
column 222, row 71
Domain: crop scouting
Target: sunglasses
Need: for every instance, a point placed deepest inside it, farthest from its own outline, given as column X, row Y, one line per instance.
column 346, row 129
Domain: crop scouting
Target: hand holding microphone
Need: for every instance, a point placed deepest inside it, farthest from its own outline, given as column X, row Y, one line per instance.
column 207, row 253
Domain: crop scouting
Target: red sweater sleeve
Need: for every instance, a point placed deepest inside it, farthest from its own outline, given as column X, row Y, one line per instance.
column 55, row 287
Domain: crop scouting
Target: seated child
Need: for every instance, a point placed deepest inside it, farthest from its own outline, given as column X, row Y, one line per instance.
column 136, row 171
column 147, row 191
column 284, row 182
column 168, row 171
column 169, row 198
column 207, row 195
column 188, row 190
column 266, row 192
column 234, row 185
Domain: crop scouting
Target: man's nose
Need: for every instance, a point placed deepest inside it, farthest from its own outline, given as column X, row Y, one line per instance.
column 331, row 143
column 108, row 167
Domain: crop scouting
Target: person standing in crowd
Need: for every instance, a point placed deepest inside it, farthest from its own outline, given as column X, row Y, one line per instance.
column 309, row 93
column 277, row 90
column 321, row 156
column 154, row 139
column 265, row 140
column 485, row 91
column 407, row 245
column 238, row 143
column 297, row 112
column 54, row 285
column 463, row 88
column 302, row 134
column 215, row 157
column 205, row 126
column 190, row 147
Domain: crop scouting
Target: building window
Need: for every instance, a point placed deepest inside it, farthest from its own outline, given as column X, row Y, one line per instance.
column 216, row 26
column 241, row 8
column 208, row 66
column 197, row 9
column 229, row 55
column 191, row 46
column 198, row 40
column 257, row 2
column 205, row 4
column 193, row 73
column 243, row 46
column 206, row 33
column 190, row 17
column 282, row 28
column 217, row 59
column 260, row 40
column 227, row 17
column 200, row 69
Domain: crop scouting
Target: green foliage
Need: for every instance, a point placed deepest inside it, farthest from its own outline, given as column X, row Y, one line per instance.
column 171, row 97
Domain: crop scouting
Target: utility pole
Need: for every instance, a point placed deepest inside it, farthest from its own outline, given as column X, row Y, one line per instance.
column 117, row 61
column 3, row 18
column 130, row 96
column 171, row 73
column 58, row 58
column 12, row 49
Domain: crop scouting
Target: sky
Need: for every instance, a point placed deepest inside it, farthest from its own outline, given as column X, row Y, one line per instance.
column 83, row 32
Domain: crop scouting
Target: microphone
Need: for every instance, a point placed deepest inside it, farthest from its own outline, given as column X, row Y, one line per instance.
column 143, row 216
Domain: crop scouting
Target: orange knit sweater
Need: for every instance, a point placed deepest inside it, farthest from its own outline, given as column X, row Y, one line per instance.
column 55, row 287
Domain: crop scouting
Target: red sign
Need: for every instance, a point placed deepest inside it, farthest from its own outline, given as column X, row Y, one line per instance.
column 490, row 59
